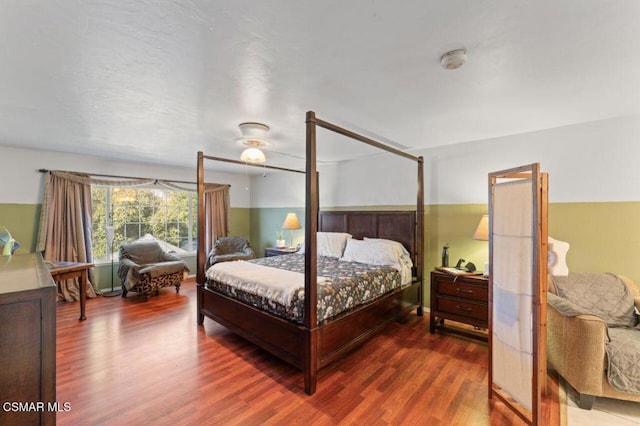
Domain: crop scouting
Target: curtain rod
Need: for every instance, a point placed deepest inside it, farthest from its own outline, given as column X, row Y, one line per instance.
column 121, row 177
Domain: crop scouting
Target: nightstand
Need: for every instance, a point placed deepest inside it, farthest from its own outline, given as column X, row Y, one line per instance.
column 460, row 298
column 277, row 251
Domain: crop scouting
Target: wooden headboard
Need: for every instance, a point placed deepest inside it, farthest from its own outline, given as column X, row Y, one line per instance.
column 392, row 225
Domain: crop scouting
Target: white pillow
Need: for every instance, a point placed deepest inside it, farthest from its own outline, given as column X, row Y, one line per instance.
column 557, row 257
column 330, row 244
column 395, row 243
column 381, row 253
column 372, row 252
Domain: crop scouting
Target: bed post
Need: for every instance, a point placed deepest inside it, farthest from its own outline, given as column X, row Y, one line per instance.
column 311, row 260
column 420, row 239
column 200, row 261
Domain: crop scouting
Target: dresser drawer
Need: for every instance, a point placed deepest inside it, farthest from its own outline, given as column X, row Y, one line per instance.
column 463, row 308
column 464, row 291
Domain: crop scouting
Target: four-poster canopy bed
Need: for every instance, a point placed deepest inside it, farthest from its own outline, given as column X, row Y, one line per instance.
column 310, row 343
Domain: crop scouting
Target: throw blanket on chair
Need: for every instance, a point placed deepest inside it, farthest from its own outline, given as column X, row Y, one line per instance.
column 607, row 297
column 602, row 295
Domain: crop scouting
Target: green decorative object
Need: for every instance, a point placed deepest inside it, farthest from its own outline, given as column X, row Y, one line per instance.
column 8, row 243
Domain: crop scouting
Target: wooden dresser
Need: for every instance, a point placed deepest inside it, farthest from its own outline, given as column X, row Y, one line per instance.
column 461, row 298
column 27, row 341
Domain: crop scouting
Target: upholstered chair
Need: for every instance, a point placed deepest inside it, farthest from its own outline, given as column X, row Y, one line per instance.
column 579, row 339
column 230, row 248
column 145, row 267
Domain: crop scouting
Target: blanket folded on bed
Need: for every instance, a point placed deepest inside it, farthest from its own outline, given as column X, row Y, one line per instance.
column 272, row 283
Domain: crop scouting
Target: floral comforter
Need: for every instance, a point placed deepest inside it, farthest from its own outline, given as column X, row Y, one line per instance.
column 347, row 285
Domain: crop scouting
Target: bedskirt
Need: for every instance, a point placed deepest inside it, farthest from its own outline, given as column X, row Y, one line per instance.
column 346, row 286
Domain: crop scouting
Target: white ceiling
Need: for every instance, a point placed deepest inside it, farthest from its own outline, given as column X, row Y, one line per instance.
column 158, row 80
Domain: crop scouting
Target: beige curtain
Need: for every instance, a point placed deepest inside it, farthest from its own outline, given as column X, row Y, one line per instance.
column 216, row 205
column 65, row 227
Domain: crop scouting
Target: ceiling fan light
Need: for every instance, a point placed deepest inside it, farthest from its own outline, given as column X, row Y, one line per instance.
column 253, row 136
column 253, row 155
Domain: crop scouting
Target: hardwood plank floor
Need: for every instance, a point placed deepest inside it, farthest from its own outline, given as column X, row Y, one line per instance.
column 134, row 362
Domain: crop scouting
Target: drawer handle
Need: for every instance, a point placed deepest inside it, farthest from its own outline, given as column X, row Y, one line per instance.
column 462, row 308
column 459, row 290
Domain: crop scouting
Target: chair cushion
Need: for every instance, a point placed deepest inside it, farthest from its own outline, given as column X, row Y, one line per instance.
column 162, row 268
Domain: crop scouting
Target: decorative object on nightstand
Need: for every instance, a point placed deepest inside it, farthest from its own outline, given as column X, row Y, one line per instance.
column 280, row 242
column 291, row 222
column 445, row 255
column 462, row 298
column 482, row 234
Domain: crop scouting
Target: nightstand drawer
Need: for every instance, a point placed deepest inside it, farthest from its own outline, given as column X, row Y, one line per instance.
column 464, row 291
column 463, row 308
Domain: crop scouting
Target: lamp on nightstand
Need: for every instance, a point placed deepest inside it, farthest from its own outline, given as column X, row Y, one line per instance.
column 482, row 234
column 291, row 222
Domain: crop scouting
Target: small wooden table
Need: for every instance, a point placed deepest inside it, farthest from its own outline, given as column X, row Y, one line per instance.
column 460, row 298
column 278, row 251
column 61, row 271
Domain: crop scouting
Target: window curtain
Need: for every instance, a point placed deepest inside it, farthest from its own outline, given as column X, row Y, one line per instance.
column 65, row 222
column 216, row 213
column 65, row 228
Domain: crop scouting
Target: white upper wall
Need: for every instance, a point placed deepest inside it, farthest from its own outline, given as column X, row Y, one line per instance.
column 595, row 161
column 23, row 184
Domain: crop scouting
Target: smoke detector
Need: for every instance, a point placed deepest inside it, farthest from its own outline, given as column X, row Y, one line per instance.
column 453, row 59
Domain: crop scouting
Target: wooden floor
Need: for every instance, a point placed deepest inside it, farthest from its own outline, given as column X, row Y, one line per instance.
column 134, row 362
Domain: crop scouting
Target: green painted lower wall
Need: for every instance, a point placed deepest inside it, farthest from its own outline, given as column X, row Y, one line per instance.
column 240, row 223
column 265, row 223
column 22, row 220
column 604, row 237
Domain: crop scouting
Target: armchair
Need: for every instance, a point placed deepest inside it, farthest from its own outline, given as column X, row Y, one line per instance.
column 144, row 267
column 230, row 248
column 591, row 338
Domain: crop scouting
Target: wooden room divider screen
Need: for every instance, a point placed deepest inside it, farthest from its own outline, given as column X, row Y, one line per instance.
column 517, row 288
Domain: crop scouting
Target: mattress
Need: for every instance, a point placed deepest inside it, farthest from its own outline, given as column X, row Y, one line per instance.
column 342, row 286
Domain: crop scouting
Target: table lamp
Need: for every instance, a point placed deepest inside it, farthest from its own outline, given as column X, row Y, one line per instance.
column 291, row 222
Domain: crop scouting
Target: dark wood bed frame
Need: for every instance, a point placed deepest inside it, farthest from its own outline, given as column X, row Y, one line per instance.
column 311, row 346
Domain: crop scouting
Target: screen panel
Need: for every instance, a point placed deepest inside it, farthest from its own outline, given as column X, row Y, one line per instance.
column 517, row 288
column 512, row 289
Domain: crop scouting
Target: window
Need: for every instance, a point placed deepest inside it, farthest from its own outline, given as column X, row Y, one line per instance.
column 167, row 216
